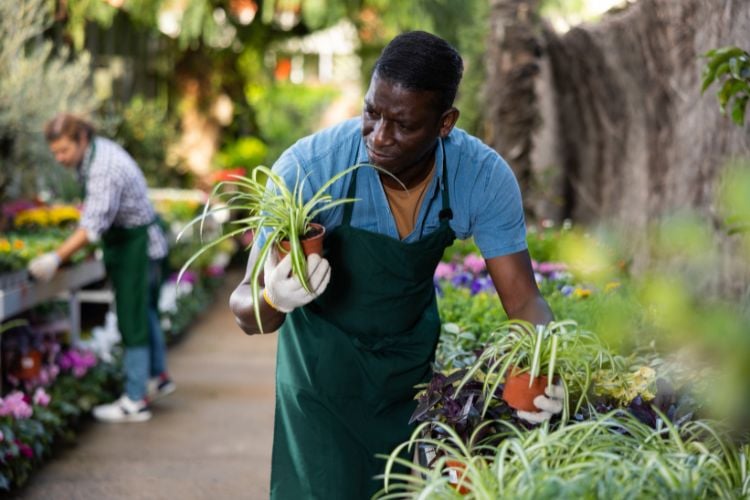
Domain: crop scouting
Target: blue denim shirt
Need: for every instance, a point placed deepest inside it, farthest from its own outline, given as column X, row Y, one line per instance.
column 484, row 194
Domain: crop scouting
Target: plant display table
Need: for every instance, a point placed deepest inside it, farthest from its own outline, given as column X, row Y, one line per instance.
column 66, row 284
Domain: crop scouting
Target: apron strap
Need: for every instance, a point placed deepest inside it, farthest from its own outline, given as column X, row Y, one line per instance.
column 445, row 214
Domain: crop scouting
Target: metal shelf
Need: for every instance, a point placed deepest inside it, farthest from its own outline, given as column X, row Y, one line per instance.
column 67, row 282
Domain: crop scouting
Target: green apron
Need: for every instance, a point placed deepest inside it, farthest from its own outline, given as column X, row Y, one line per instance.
column 347, row 363
column 126, row 261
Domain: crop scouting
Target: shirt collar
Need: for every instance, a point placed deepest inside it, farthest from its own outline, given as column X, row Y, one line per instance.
column 85, row 166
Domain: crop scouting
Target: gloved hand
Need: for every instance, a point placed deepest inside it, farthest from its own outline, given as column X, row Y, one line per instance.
column 284, row 292
column 45, row 266
column 548, row 405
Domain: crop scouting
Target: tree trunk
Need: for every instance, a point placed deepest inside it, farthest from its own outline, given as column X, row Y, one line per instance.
column 514, row 52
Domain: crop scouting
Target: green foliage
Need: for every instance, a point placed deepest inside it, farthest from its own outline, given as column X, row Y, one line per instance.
column 36, row 84
column 285, row 112
column 266, row 205
column 245, row 152
column 613, row 455
column 146, row 131
column 731, row 67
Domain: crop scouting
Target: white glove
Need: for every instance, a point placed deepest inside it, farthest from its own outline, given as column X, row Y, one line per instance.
column 284, row 292
column 45, row 266
column 549, row 405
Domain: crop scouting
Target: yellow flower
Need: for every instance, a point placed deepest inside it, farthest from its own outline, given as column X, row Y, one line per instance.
column 612, row 285
column 18, row 245
column 32, row 217
column 4, row 245
column 581, row 293
column 63, row 213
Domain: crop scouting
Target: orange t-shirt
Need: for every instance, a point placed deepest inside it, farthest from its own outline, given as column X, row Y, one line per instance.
column 405, row 205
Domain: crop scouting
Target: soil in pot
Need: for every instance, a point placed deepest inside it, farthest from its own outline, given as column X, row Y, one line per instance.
column 519, row 395
column 312, row 242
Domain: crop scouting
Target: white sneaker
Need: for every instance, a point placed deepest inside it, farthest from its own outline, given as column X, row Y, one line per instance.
column 123, row 410
column 158, row 388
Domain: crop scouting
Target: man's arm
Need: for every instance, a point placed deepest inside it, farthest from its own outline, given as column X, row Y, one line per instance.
column 514, row 281
column 242, row 305
column 72, row 244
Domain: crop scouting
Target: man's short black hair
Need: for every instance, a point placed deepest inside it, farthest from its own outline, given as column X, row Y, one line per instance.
column 421, row 61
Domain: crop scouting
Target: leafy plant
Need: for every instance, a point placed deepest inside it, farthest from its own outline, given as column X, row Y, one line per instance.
column 273, row 210
column 732, row 66
column 559, row 348
column 614, row 455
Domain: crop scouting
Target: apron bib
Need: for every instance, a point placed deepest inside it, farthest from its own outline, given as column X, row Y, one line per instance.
column 347, row 363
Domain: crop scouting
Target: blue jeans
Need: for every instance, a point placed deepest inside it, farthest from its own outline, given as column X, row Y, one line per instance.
column 140, row 363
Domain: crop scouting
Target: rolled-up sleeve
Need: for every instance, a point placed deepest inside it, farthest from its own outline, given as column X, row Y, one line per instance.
column 499, row 226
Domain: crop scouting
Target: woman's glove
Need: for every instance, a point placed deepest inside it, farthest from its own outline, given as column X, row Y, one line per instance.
column 45, row 266
column 549, row 405
column 284, row 291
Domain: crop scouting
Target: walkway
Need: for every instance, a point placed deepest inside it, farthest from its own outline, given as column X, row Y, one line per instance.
column 209, row 440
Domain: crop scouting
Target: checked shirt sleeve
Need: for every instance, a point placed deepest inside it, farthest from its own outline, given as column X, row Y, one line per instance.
column 103, row 191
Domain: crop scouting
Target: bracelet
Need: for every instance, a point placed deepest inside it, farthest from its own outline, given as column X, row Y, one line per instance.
column 268, row 300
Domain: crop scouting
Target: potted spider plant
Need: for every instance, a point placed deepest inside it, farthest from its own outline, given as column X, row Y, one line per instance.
column 281, row 213
column 527, row 359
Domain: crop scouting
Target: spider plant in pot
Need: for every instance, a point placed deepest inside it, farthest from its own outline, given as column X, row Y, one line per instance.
column 529, row 359
column 282, row 214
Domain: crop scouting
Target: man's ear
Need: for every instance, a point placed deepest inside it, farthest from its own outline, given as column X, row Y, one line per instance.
column 448, row 121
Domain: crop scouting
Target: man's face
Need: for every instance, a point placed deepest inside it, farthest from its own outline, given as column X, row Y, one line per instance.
column 400, row 126
column 67, row 151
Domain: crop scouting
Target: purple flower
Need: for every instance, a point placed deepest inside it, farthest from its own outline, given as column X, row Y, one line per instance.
column 552, row 267
column 567, row 290
column 482, row 284
column 77, row 361
column 214, row 271
column 15, row 404
column 474, row 263
column 444, row 270
column 462, row 279
column 41, row 397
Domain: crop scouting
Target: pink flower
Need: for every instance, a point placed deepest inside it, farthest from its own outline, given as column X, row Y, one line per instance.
column 552, row 267
column 41, row 397
column 16, row 405
column 25, row 449
column 2, row 437
column 444, row 270
column 474, row 263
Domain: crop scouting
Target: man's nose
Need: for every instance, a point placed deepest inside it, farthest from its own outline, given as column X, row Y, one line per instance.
column 383, row 133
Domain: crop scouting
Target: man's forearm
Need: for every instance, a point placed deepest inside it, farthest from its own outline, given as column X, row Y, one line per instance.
column 75, row 242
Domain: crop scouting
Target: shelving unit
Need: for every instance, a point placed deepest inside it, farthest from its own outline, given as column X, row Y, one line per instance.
column 66, row 285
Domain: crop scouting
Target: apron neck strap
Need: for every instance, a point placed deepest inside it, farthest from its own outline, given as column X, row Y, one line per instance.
column 445, row 213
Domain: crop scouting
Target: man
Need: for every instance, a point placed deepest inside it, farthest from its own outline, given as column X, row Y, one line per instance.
column 351, row 352
column 117, row 212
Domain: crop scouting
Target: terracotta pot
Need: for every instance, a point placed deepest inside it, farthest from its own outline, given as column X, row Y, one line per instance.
column 519, row 395
column 312, row 242
column 29, row 365
column 455, row 471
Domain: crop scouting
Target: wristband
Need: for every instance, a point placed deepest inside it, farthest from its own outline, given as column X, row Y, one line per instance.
column 268, row 301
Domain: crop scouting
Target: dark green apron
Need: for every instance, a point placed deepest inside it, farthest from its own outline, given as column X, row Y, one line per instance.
column 347, row 364
column 126, row 260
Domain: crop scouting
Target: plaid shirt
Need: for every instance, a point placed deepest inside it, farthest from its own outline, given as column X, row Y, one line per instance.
column 116, row 195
